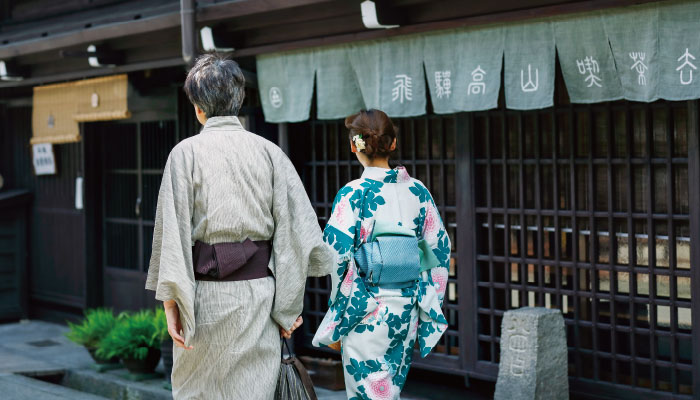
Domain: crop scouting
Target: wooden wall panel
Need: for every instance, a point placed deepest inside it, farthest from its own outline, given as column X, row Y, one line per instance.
column 57, row 265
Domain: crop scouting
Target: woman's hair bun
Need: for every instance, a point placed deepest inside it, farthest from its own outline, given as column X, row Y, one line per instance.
column 377, row 130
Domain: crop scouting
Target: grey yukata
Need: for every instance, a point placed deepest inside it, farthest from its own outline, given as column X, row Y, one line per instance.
column 227, row 185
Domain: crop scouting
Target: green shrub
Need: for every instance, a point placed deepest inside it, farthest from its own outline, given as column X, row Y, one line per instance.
column 95, row 326
column 132, row 337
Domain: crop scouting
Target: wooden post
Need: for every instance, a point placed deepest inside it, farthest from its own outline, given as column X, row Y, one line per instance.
column 694, row 200
column 283, row 137
column 467, row 289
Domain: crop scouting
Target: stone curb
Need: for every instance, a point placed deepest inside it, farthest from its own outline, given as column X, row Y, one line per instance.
column 112, row 386
column 19, row 387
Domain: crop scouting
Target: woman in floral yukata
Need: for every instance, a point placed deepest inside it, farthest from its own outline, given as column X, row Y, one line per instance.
column 377, row 326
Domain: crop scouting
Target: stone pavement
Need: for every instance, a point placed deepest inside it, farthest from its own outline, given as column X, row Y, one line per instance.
column 21, row 387
column 39, row 349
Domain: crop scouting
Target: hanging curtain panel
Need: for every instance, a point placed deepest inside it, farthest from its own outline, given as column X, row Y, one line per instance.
column 586, row 60
column 464, row 69
column 529, row 66
column 633, row 34
column 679, row 51
column 446, row 80
column 390, row 75
column 639, row 53
column 364, row 61
column 337, row 91
column 286, row 83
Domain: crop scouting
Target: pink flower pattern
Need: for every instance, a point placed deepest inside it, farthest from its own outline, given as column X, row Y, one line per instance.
column 364, row 232
column 330, row 328
column 431, row 223
column 382, row 388
column 439, row 275
column 371, row 317
column 402, row 176
column 340, row 211
column 346, row 286
column 414, row 329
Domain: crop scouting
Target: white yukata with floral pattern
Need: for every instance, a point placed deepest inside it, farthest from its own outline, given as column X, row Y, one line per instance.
column 378, row 327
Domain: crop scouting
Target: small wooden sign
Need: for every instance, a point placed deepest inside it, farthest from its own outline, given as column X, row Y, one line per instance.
column 44, row 161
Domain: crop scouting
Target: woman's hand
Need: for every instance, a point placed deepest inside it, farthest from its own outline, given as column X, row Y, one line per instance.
column 287, row 334
column 172, row 315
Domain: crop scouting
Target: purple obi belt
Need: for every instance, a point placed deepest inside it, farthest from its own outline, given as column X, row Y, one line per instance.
column 239, row 261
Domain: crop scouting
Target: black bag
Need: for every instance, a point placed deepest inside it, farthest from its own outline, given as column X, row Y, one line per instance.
column 294, row 382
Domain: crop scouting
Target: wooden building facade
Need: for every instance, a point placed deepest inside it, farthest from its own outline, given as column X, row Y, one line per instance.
column 587, row 208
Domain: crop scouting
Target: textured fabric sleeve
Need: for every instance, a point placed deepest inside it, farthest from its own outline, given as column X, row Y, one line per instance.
column 170, row 272
column 339, row 233
column 433, row 283
column 297, row 244
column 435, row 235
column 350, row 301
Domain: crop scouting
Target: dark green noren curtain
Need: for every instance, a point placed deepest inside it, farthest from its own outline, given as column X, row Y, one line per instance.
column 640, row 53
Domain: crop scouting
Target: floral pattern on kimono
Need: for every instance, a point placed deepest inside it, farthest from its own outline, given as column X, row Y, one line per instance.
column 378, row 327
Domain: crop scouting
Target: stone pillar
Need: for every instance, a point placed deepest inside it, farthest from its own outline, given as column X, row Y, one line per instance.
column 534, row 356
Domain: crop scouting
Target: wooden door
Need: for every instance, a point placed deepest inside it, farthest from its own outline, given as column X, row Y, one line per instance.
column 133, row 157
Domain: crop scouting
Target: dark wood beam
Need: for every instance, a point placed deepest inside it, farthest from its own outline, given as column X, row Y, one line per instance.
column 250, row 77
column 91, row 35
column 274, row 19
column 37, row 9
column 15, row 31
column 240, row 8
column 170, row 18
column 329, row 27
column 502, row 17
column 93, row 72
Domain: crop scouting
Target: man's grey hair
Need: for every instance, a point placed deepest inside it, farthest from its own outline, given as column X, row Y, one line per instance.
column 216, row 85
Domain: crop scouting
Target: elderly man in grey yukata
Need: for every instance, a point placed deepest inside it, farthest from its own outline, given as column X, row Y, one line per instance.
column 234, row 241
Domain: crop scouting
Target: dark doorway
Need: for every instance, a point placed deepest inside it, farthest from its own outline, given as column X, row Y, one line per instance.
column 132, row 157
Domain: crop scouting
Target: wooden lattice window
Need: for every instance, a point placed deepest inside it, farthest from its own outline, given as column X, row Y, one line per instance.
column 585, row 208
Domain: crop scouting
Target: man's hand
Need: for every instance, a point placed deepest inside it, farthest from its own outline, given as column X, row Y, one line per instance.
column 172, row 314
column 287, row 334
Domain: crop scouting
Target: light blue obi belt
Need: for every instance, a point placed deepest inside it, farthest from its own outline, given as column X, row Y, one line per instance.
column 394, row 257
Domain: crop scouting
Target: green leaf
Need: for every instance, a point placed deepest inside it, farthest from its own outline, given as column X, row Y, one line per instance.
column 134, row 334
column 96, row 325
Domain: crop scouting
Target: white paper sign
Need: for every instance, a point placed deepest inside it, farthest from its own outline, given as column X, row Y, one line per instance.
column 79, row 193
column 44, row 161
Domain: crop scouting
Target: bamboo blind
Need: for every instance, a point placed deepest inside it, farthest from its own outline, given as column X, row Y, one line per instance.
column 58, row 108
column 110, row 102
column 52, row 114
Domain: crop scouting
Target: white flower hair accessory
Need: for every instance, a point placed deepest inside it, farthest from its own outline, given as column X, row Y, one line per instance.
column 359, row 143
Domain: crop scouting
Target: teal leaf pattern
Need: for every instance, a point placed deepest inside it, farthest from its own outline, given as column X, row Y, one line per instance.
column 418, row 222
column 372, row 199
column 421, row 192
column 442, row 251
column 341, row 241
column 391, row 176
column 344, row 191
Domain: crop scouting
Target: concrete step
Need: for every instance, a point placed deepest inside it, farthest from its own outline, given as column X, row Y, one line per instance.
column 113, row 385
column 19, row 387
